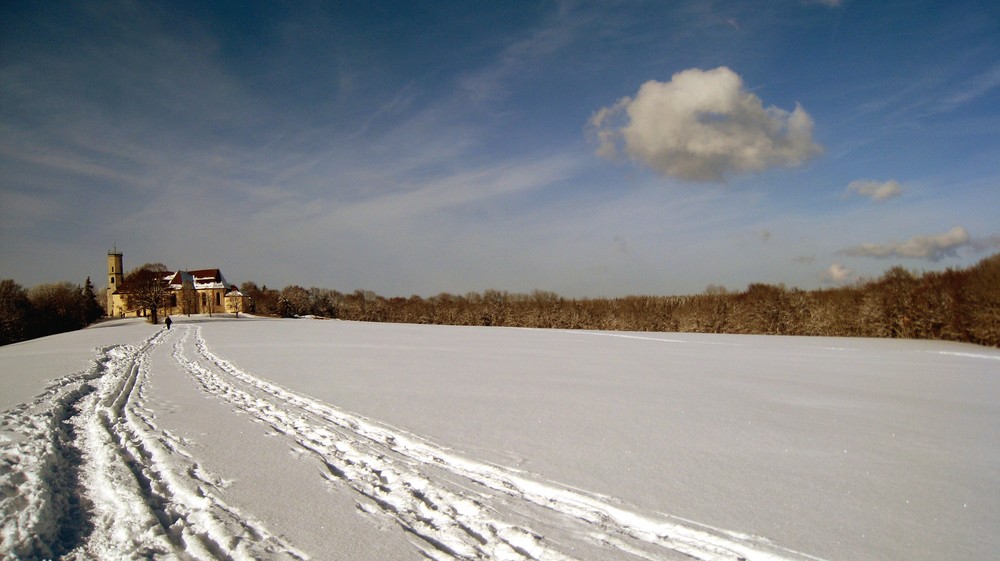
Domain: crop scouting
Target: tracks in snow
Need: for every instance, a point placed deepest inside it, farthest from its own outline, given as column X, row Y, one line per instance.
column 458, row 508
column 90, row 476
column 381, row 465
column 42, row 510
column 85, row 472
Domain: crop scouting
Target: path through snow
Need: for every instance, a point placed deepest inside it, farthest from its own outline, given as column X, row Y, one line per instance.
column 93, row 474
column 92, row 477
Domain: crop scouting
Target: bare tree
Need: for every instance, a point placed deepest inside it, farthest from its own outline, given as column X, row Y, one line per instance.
column 236, row 300
column 983, row 297
column 294, row 301
column 189, row 297
column 57, row 307
column 15, row 312
column 146, row 289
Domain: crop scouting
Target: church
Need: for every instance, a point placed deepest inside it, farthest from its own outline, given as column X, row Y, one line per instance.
column 204, row 291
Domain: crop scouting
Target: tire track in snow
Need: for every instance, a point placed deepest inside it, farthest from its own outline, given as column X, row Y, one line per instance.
column 392, row 470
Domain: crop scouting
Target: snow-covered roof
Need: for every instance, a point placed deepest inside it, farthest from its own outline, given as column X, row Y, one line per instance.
column 177, row 280
column 200, row 279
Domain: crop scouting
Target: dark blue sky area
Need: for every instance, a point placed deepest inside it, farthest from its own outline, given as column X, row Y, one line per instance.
column 588, row 148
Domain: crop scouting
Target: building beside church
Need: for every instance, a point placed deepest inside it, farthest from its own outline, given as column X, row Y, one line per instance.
column 204, row 291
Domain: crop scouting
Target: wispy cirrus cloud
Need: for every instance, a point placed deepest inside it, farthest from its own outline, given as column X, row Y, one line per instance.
column 703, row 125
column 975, row 87
column 491, row 82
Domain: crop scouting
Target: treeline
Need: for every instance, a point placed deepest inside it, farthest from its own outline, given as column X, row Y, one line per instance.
column 45, row 309
column 956, row 305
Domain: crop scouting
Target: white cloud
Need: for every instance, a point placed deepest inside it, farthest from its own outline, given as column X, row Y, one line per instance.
column 703, row 125
column 876, row 190
column 837, row 274
column 932, row 247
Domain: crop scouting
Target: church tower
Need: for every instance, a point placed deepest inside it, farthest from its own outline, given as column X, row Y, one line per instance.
column 116, row 276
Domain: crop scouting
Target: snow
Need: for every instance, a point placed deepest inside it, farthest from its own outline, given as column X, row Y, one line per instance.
column 249, row 438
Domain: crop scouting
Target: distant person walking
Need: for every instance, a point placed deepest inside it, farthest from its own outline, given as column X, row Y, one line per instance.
column 168, row 322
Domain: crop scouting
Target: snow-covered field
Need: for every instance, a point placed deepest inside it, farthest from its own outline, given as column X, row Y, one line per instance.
column 303, row 439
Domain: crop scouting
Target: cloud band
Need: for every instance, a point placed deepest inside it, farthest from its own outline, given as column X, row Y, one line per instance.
column 932, row 247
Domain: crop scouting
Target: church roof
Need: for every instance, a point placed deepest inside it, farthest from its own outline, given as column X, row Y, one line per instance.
column 209, row 278
column 200, row 279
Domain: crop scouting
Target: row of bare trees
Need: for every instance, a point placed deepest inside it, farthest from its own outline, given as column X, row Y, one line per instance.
column 958, row 305
column 45, row 309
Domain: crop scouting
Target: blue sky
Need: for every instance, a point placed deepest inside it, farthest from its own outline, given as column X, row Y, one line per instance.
column 586, row 148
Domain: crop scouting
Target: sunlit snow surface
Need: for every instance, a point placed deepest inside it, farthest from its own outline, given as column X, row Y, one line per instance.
column 304, row 439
